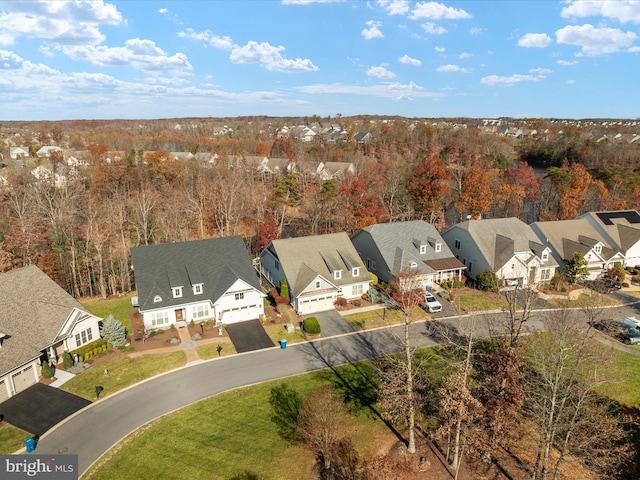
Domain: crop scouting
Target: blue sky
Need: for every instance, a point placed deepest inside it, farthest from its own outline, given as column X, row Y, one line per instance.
column 105, row 59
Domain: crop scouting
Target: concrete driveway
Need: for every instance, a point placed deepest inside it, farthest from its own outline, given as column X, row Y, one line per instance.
column 332, row 323
column 40, row 407
column 248, row 336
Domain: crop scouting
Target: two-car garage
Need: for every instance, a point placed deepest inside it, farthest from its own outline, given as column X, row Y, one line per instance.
column 315, row 303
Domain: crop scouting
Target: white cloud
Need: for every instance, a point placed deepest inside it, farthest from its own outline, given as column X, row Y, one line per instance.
column 476, row 31
column 270, row 57
column 570, row 82
column 540, row 71
column 223, row 43
column 635, row 49
column 535, row 40
column 45, row 50
column 162, row 11
column 567, row 62
column 66, row 23
column 373, row 31
column 437, row 11
column 464, row 55
column 394, row 7
column 137, row 53
column 439, row 49
column 433, row 28
column 595, row 41
column 493, row 80
column 395, row 91
column 309, row 2
column 451, row 68
column 407, row 60
column 624, row 11
column 381, row 72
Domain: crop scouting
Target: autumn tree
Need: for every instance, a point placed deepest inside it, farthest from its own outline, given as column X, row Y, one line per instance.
column 362, row 197
column 429, row 188
column 476, row 196
column 519, row 191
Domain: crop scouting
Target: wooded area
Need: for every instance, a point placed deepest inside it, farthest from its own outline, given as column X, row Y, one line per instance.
column 132, row 190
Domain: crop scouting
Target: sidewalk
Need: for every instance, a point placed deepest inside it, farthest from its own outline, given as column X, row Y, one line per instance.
column 62, row 377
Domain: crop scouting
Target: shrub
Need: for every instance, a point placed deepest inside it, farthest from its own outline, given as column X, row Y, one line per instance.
column 88, row 347
column 281, row 300
column 192, row 324
column 374, row 279
column 80, row 358
column 113, row 331
column 625, row 284
column 487, row 280
column 109, row 346
column 340, row 302
column 173, row 327
column 356, row 303
column 46, row 371
column 284, row 288
column 160, row 331
column 446, row 284
column 311, row 325
column 67, row 360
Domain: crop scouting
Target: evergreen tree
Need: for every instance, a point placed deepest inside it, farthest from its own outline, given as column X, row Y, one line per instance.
column 284, row 289
column 46, row 370
column 576, row 268
column 113, row 331
column 67, row 361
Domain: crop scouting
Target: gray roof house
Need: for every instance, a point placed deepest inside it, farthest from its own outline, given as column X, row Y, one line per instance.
column 38, row 321
column 211, row 279
column 318, row 269
column 390, row 248
column 507, row 247
column 621, row 230
column 566, row 237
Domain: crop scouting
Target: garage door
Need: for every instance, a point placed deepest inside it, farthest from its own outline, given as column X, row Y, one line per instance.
column 4, row 393
column 24, row 379
column 241, row 314
column 318, row 304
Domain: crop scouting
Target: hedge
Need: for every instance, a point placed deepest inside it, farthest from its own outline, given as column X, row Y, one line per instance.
column 89, row 347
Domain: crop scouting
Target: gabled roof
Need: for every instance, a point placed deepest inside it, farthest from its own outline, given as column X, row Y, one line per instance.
column 399, row 244
column 499, row 239
column 569, row 236
column 33, row 311
column 304, row 258
column 622, row 226
column 215, row 262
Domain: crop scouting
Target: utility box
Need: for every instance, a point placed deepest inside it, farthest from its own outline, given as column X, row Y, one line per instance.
column 290, row 328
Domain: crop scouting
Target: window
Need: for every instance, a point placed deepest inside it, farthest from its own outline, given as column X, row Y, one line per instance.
column 545, row 274
column 337, row 274
column 423, row 249
column 470, row 267
column 177, row 292
column 197, row 289
column 457, row 244
column 464, row 261
column 545, row 256
column 318, row 284
column 355, row 271
column 413, row 264
column 159, row 318
column 356, row 290
column 598, row 248
column 277, row 265
column 83, row 337
column 157, row 299
column 239, row 296
column 200, row 311
column 373, row 265
column 438, row 247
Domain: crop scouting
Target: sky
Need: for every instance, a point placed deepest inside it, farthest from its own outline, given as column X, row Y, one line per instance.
column 150, row 59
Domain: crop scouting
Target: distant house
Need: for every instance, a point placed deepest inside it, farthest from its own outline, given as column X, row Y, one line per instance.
column 47, row 150
column 18, row 153
column 388, row 249
column 566, row 237
column 621, row 230
column 318, row 269
column 45, row 173
column 211, row 279
column 507, row 247
column 38, row 322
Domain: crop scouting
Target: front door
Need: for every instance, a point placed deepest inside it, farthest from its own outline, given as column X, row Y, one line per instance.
column 179, row 315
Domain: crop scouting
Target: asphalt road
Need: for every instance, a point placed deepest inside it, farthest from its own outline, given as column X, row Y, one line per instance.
column 94, row 430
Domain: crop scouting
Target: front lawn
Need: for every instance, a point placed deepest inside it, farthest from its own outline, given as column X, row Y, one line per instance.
column 470, row 300
column 118, row 307
column 383, row 317
column 123, row 372
column 11, row 439
column 210, row 350
column 625, row 388
column 277, row 332
column 218, row 438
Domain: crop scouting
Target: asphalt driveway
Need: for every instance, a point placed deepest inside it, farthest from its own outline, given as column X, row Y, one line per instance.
column 40, row 407
column 332, row 323
column 248, row 336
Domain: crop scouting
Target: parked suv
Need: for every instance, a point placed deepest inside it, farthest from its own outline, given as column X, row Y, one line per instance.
column 431, row 303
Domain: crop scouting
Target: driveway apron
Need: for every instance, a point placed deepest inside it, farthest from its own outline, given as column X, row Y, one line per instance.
column 332, row 323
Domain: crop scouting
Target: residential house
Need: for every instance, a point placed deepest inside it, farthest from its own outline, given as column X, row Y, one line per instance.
column 46, row 173
column 388, row 249
column 17, row 153
column 38, row 322
column 566, row 237
column 211, row 279
column 47, row 150
column 507, row 247
column 621, row 230
column 317, row 269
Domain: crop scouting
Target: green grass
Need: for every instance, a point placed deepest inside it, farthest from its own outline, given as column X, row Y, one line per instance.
column 118, row 307
column 277, row 332
column 625, row 387
column 210, row 350
column 585, row 300
column 229, row 434
column 123, row 372
column 478, row 302
column 11, row 439
column 383, row 318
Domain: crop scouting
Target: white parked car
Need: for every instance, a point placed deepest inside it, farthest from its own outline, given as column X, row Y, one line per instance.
column 431, row 303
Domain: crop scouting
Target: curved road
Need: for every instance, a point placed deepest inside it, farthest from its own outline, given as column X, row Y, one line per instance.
column 115, row 418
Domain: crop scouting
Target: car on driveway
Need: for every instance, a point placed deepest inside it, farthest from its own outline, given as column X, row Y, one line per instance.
column 632, row 336
column 431, row 303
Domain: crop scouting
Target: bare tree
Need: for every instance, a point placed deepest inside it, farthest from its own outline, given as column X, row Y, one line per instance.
column 520, row 303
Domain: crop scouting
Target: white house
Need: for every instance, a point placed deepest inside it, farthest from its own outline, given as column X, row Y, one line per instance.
column 211, row 279
column 621, row 229
column 318, row 269
column 38, row 322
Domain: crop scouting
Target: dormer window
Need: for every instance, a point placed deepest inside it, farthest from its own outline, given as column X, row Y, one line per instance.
column 355, row 271
column 337, row 274
column 438, row 247
column 197, row 289
column 423, row 249
column 545, row 256
column 413, row 265
column 157, row 299
column 177, row 292
column 597, row 248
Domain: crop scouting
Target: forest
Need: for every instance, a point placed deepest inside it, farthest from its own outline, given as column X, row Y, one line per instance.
column 131, row 189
